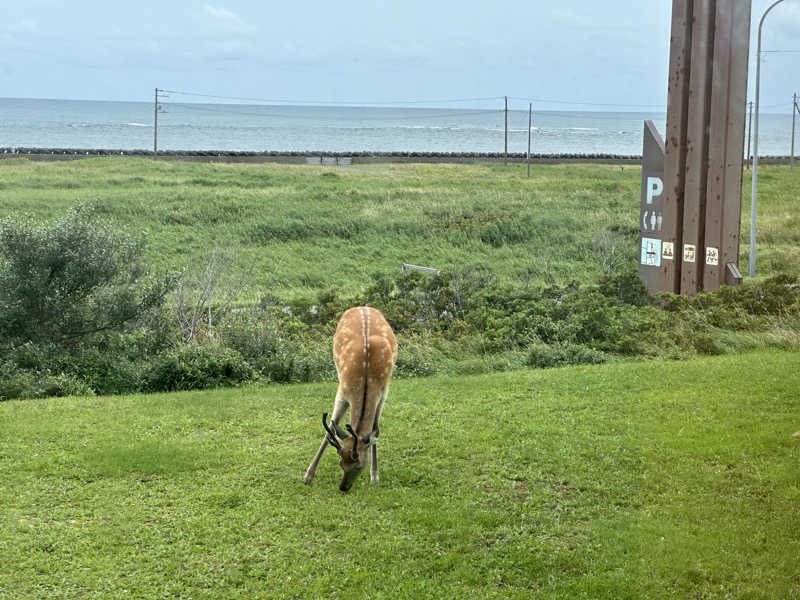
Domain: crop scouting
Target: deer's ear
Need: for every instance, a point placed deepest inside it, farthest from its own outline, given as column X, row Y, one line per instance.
column 370, row 439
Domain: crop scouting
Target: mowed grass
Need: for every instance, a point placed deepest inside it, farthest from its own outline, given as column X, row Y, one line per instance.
column 302, row 229
column 629, row 480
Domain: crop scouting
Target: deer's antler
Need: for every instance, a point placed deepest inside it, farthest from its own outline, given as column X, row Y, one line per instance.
column 342, row 435
column 331, row 435
column 354, row 452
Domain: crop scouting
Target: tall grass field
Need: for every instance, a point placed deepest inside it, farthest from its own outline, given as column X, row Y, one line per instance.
column 302, row 229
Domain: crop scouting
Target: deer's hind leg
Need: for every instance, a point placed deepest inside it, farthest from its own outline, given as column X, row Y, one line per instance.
column 373, row 468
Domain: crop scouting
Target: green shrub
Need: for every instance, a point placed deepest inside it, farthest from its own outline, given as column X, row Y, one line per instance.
column 708, row 343
column 253, row 333
column 195, row 367
column 627, row 287
column 65, row 281
column 472, row 366
column 462, row 322
column 558, row 355
column 66, row 384
column 415, row 360
column 16, row 383
column 774, row 296
column 297, row 364
column 504, row 361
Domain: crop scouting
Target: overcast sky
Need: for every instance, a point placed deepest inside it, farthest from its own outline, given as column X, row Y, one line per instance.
column 613, row 52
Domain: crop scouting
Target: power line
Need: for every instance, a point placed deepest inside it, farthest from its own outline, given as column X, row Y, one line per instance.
column 444, row 114
column 776, row 105
column 553, row 101
column 405, row 102
column 332, row 103
column 545, row 115
column 560, row 114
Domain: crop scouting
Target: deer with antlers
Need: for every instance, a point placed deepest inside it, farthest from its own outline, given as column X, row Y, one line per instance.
column 364, row 351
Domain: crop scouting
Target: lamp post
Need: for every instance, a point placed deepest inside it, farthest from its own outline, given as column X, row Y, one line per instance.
column 755, row 147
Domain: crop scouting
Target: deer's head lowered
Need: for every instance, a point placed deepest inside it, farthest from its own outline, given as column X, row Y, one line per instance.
column 352, row 451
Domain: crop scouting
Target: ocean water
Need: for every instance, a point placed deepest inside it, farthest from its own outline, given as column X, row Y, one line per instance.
column 195, row 126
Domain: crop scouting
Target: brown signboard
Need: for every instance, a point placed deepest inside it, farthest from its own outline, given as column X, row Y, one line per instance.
column 700, row 207
column 651, row 213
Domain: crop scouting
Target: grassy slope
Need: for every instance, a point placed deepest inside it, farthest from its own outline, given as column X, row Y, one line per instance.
column 626, row 480
column 307, row 228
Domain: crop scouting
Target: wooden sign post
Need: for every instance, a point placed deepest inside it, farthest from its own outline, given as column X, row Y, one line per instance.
column 653, row 250
column 703, row 152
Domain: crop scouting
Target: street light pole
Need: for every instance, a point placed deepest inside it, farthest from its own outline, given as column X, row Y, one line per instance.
column 755, row 147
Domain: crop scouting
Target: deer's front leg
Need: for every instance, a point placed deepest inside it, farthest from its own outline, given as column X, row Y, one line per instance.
column 312, row 468
column 339, row 408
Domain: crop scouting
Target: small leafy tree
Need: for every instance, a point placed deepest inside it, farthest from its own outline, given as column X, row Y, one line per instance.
column 64, row 281
column 204, row 294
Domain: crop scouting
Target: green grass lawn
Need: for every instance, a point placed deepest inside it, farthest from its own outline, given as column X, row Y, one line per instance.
column 302, row 229
column 628, row 480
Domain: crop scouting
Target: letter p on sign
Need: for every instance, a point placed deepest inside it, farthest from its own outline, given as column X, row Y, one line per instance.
column 654, row 188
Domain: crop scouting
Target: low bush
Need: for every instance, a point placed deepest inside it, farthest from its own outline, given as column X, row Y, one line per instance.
column 196, row 367
column 17, row 383
column 464, row 321
column 558, row 355
column 416, row 359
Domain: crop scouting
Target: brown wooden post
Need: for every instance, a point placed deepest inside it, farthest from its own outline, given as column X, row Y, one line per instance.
column 712, row 271
column 694, row 199
column 704, row 146
column 675, row 143
column 739, row 40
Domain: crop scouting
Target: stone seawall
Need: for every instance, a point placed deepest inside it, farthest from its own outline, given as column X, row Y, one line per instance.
column 332, row 158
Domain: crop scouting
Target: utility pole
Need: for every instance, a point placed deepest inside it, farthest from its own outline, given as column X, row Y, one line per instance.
column 749, row 130
column 754, row 194
column 530, row 122
column 155, row 124
column 505, row 150
column 795, row 110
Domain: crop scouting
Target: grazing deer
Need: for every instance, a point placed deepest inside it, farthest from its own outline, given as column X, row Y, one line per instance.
column 364, row 351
